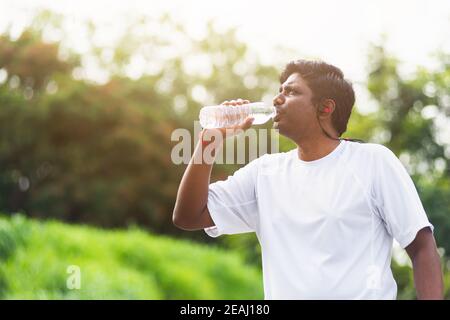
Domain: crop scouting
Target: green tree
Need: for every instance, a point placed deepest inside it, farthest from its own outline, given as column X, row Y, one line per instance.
column 411, row 112
column 100, row 153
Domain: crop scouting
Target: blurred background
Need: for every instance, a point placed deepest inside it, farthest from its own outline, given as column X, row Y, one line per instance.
column 91, row 91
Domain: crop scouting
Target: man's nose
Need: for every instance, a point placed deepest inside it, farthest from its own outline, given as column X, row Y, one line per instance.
column 278, row 100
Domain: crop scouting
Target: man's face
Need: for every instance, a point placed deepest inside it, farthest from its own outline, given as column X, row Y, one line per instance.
column 296, row 115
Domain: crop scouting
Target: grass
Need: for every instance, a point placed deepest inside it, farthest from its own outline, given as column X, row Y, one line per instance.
column 127, row 264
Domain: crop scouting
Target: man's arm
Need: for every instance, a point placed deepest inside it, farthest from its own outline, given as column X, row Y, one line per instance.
column 426, row 265
column 190, row 212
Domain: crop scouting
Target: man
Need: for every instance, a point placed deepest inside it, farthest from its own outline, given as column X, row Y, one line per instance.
column 325, row 213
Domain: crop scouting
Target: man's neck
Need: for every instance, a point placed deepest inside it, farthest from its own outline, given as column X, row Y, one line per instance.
column 314, row 149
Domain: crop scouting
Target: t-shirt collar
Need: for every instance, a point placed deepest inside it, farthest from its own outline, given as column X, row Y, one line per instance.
column 332, row 155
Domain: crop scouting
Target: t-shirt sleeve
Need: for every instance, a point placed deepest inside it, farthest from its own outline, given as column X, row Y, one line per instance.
column 396, row 198
column 233, row 203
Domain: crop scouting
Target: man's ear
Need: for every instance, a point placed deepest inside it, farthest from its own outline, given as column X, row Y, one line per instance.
column 327, row 107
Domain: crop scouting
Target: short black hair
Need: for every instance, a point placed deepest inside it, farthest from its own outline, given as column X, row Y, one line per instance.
column 326, row 82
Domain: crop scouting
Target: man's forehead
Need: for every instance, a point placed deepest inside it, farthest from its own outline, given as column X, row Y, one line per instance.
column 294, row 80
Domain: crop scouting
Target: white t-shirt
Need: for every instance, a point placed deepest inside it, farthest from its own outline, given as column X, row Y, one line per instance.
column 325, row 227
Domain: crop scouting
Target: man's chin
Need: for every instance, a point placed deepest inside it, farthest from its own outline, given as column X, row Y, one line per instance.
column 277, row 125
column 281, row 129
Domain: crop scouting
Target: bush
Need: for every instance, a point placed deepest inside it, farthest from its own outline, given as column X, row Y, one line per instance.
column 129, row 264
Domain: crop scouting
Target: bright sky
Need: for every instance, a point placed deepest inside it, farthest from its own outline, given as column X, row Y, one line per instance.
column 336, row 31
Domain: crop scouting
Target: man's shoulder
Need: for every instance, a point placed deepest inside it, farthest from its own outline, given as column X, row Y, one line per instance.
column 370, row 150
column 367, row 159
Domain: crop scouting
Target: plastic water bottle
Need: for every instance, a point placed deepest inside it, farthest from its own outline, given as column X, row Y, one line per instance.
column 222, row 116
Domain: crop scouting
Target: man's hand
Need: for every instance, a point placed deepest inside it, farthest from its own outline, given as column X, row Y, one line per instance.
column 223, row 133
column 244, row 125
column 191, row 211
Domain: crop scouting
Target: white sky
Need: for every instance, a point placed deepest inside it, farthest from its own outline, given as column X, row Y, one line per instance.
column 336, row 31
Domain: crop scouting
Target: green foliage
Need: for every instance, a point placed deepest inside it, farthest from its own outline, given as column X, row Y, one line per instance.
column 405, row 103
column 435, row 198
column 13, row 233
column 412, row 109
column 31, row 60
column 100, row 153
column 116, row 265
column 404, row 278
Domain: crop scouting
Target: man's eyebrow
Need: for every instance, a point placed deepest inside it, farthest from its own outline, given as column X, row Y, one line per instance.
column 289, row 86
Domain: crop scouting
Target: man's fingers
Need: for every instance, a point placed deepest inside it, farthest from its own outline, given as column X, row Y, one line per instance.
column 244, row 125
column 247, row 123
column 236, row 102
column 241, row 101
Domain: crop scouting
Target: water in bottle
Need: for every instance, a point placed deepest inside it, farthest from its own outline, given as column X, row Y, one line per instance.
column 223, row 116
